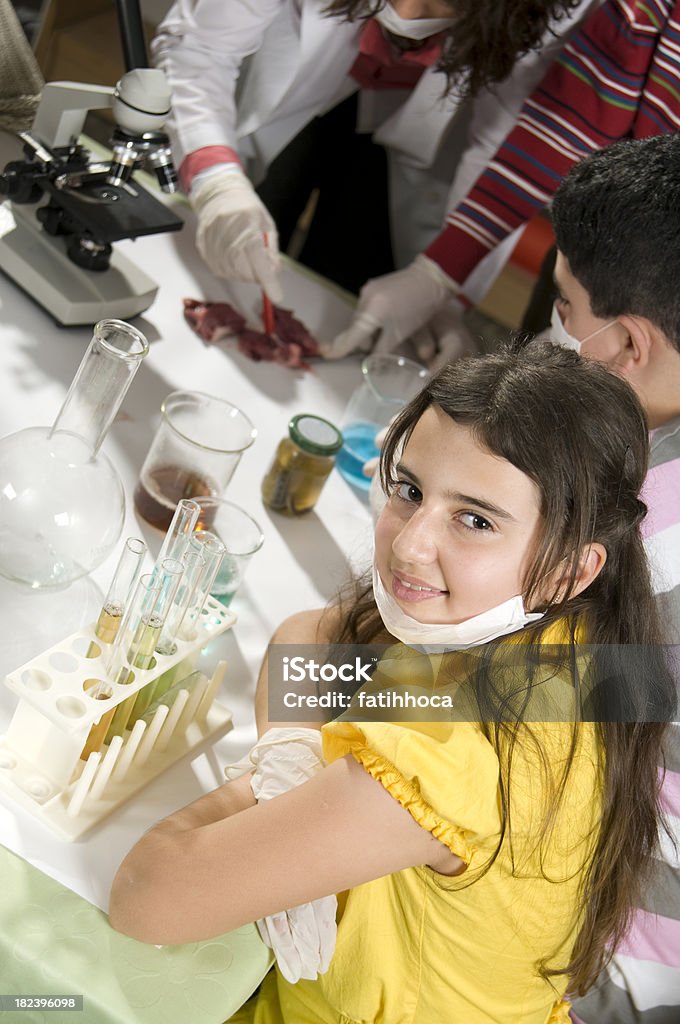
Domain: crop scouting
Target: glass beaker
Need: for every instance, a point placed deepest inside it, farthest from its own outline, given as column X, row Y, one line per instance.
column 241, row 537
column 62, row 504
column 388, row 383
column 196, row 450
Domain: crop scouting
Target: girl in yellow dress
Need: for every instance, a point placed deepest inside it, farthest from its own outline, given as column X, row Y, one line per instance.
column 486, row 856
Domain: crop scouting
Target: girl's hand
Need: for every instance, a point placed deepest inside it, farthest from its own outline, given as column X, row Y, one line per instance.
column 303, row 937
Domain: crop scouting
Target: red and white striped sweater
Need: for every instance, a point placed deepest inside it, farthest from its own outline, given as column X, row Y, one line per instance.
column 618, row 77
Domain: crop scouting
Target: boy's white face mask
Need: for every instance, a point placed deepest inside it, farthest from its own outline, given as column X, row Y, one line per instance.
column 561, row 336
column 505, row 618
column 411, row 28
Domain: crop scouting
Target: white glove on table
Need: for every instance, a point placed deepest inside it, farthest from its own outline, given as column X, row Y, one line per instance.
column 302, row 938
column 236, row 235
column 393, row 307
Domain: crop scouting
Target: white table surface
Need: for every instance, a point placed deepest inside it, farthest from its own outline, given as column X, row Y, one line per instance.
column 300, row 565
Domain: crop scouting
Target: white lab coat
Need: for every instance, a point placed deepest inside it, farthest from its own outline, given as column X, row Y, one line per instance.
column 249, row 74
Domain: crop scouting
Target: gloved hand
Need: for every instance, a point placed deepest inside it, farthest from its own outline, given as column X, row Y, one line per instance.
column 393, row 307
column 302, row 938
column 444, row 338
column 236, row 235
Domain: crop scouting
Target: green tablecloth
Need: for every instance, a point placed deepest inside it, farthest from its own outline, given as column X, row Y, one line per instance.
column 53, row 942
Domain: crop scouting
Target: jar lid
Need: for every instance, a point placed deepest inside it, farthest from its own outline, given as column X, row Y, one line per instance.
column 314, row 434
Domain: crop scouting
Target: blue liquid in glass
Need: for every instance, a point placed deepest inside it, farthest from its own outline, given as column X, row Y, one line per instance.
column 358, row 446
column 228, row 578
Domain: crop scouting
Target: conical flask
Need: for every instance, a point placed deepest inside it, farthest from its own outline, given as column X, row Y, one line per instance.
column 62, row 504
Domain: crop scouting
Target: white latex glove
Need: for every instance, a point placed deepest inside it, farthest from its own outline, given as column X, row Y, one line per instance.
column 236, row 235
column 392, row 308
column 302, row 938
column 444, row 338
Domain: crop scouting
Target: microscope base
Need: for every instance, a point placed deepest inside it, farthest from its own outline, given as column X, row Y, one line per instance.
column 38, row 263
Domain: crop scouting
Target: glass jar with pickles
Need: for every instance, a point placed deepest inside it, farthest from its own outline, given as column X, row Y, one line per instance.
column 301, row 465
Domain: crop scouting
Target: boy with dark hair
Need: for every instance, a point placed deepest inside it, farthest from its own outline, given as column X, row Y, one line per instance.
column 617, row 224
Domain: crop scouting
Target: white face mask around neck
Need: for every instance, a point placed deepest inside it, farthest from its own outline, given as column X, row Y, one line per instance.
column 561, row 336
column 410, row 28
column 505, row 618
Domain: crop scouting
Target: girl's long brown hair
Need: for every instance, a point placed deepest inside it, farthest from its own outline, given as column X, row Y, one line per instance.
column 580, row 434
column 487, row 38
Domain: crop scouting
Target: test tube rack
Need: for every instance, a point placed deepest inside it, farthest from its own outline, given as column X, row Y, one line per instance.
column 40, row 765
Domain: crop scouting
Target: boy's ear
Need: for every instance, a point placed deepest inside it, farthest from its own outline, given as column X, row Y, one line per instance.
column 636, row 344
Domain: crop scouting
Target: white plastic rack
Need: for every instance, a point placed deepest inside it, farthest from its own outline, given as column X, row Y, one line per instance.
column 64, row 691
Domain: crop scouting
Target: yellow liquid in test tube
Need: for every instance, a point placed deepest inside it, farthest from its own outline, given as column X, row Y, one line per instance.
column 105, row 630
column 143, row 645
column 108, row 623
column 140, row 655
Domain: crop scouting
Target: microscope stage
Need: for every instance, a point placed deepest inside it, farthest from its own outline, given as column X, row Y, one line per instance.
column 38, row 263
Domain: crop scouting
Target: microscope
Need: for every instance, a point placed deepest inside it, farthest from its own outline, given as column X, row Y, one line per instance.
column 64, row 210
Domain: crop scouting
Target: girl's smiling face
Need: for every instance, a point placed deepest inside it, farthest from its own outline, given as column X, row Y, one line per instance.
column 460, row 528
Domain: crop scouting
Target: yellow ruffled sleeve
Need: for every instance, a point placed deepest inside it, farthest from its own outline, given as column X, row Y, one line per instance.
column 444, row 773
column 560, row 1013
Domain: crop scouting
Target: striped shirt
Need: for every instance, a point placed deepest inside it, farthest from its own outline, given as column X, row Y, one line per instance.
column 618, row 77
column 642, row 983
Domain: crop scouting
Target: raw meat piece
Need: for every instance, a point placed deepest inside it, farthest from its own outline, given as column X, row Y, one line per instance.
column 213, row 321
column 256, row 345
column 292, row 331
column 288, row 346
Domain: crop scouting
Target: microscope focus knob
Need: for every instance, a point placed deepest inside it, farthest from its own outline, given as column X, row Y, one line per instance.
column 18, row 184
column 51, row 217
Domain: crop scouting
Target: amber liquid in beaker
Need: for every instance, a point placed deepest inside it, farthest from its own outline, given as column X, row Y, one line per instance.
column 156, row 497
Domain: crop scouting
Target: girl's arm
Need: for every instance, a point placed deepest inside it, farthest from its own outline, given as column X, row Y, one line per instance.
column 222, row 861
column 308, row 627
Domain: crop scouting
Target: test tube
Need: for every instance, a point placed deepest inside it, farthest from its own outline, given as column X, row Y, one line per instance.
column 212, row 550
column 173, row 572
column 194, row 565
column 168, row 696
column 149, row 629
column 119, row 592
column 146, row 595
column 179, row 532
column 110, row 617
column 139, row 632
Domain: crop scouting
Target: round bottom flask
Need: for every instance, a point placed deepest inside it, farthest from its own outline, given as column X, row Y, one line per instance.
column 62, row 504
column 61, row 510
